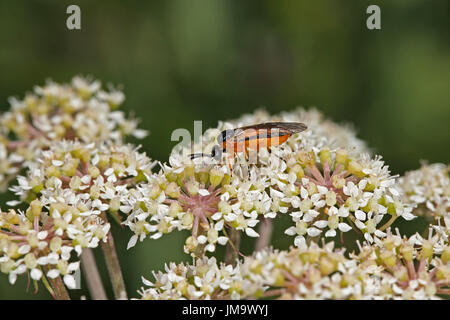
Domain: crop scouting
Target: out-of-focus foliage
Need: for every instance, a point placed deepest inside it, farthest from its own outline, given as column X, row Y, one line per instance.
column 181, row 61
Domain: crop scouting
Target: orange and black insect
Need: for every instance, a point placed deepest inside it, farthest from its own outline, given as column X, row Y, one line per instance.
column 254, row 137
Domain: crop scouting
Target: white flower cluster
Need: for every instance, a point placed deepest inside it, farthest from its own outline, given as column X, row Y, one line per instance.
column 429, row 189
column 71, row 187
column 81, row 111
column 96, row 178
column 408, row 268
column 206, row 201
column 203, row 281
column 338, row 193
column 324, row 190
column 42, row 239
column 399, row 269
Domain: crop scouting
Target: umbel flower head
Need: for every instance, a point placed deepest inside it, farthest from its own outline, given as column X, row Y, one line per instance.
column 96, row 178
column 409, row 268
column 206, row 201
column 334, row 191
column 80, row 110
column 306, row 273
column 311, row 272
column 324, row 191
column 429, row 189
column 396, row 270
column 40, row 241
column 205, row 280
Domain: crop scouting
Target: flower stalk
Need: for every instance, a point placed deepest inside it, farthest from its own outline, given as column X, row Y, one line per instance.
column 93, row 279
column 57, row 288
column 265, row 234
column 113, row 266
column 232, row 249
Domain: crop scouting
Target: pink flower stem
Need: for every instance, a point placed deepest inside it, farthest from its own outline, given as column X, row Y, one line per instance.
column 411, row 269
column 316, row 173
column 113, row 266
column 265, row 234
column 58, row 287
column 274, row 292
column 92, row 275
column 232, row 249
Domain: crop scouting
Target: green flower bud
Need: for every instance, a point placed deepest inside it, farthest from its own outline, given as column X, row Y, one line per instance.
column 330, row 198
column 192, row 187
column 216, row 177
column 224, row 207
column 75, row 183
column 388, row 258
column 93, row 171
column 52, row 171
column 173, row 190
column 30, row 261
column 114, row 204
column 355, row 168
column 56, row 244
column 325, row 156
column 342, row 156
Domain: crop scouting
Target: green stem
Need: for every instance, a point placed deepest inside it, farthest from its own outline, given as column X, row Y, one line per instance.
column 92, row 275
column 388, row 224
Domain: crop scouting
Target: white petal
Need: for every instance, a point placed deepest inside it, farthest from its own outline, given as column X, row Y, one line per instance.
column 12, row 278
column 330, row 233
column 344, row 227
column 74, row 266
column 52, row 274
column 203, row 192
column 222, row 240
column 13, row 203
column 132, row 241
column 299, row 241
column 201, row 239
column 156, row 236
column 360, row 215
column 219, row 225
column 109, row 171
column 291, row 231
column 24, row 249
column 146, row 282
column 57, row 163
column 36, row 274
column 216, row 216
column 321, row 224
column 313, row 232
column 42, row 235
column 322, row 189
column 251, row 233
column 70, row 281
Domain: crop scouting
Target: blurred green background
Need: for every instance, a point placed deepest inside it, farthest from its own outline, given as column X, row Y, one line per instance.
column 210, row 60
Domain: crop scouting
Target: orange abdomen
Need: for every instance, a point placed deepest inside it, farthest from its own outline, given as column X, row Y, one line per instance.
column 256, row 144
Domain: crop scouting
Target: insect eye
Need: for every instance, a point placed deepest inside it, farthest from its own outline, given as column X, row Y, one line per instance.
column 216, row 153
column 225, row 135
